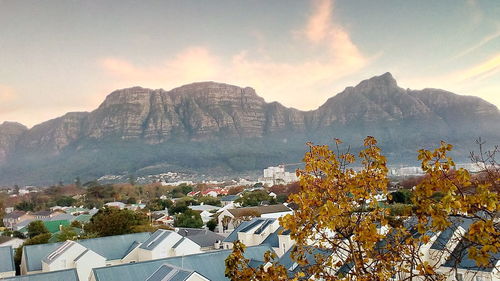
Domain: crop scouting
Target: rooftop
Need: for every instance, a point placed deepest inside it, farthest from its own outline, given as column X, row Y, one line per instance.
column 7, row 259
column 209, row 264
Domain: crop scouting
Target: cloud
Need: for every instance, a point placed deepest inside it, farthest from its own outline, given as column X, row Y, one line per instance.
column 477, row 72
column 325, row 53
column 7, row 94
column 481, row 43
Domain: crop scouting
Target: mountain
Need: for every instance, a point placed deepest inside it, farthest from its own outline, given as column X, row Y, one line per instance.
column 217, row 128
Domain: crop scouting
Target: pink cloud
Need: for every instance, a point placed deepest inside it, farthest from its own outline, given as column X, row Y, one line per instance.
column 332, row 57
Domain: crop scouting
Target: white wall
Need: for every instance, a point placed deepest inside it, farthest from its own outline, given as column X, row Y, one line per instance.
column 88, row 261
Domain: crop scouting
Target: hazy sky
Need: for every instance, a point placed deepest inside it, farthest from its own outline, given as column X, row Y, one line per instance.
column 60, row 56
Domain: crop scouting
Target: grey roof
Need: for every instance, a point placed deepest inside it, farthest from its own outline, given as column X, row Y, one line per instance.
column 43, row 213
column 156, row 238
column 58, row 251
column 233, row 236
column 229, row 198
column 14, row 215
column 209, row 264
column 444, row 237
column 110, row 247
column 170, row 273
column 310, row 255
column 6, row 259
column 269, row 209
column 273, row 239
column 178, row 242
column 60, row 275
column 459, row 258
column 203, row 208
column 246, row 226
column 206, row 238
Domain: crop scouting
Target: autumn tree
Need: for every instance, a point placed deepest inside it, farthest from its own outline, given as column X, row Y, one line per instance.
column 341, row 232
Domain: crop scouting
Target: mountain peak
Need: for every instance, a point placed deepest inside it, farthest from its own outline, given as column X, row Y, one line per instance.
column 385, row 80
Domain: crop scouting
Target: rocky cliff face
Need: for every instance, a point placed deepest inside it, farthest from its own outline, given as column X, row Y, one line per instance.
column 9, row 135
column 216, row 113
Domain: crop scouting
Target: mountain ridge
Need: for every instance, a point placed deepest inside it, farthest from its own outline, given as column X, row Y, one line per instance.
column 227, row 120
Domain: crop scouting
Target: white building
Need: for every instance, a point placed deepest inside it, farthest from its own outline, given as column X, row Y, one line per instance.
column 278, row 175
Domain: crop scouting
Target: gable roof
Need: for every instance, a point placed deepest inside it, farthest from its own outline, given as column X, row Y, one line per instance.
column 233, row 236
column 60, row 275
column 270, row 209
column 7, row 259
column 202, row 237
column 444, row 237
column 459, row 258
column 229, row 198
column 170, row 273
column 209, row 264
column 155, row 239
column 110, row 247
column 14, row 215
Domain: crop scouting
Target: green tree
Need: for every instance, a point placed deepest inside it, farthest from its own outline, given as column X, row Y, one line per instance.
column 76, row 224
column 36, row 228
column 212, row 224
column 25, row 206
column 113, row 221
column 66, row 233
column 159, row 204
column 402, row 196
column 209, row 200
column 189, row 218
column 255, row 198
column 65, row 201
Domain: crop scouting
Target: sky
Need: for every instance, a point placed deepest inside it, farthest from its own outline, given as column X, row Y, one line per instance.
column 58, row 56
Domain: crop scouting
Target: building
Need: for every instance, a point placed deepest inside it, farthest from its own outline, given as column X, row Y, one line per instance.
column 228, row 199
column 13, row 242
column 82, row 255
column 164, row 244
column 277, row 175
column 11, row 219
column 261, row 231
column 211, row 265
column 206, row 239
column 229, row 219
column 169, row 272
column 7, row 267
column 61, row 275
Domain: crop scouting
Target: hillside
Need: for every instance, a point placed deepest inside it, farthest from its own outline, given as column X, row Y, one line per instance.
column 224, row 129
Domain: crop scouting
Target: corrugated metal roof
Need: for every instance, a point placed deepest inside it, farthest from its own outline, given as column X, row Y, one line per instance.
column 233, row 236
column 61, row 275
column 6, row 259
column 110, row 247
column 459, row 258
column 156, row 238
column 170, row 273
column 209, row 264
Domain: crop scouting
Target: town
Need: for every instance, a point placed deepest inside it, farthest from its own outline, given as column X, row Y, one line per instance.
column 163, row 232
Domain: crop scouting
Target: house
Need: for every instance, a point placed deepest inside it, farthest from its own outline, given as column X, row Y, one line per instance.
column 166, row 243
column 170, row 272
column 45, row 215
column 211, row 265
column 82, row 255
column 228, row 199
column 7, row 267
column 206, row 239
column 229, row 219
column 115, row 204
column 261, row 231
column 11, row 219
column 203, row 207
column 466, row 268
column 52, row 226
column 61, row 275
column 13, row 242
